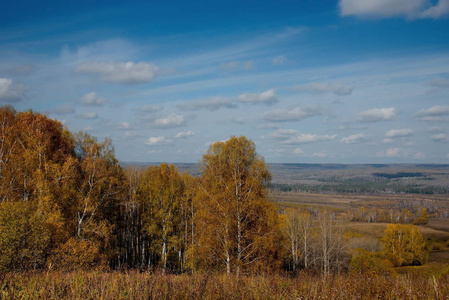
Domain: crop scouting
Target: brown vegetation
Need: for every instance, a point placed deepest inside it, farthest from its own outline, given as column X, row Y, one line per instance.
column 136, row 285
column 67, row 205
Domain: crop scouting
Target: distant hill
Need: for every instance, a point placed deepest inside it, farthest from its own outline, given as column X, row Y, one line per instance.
column 347, row 178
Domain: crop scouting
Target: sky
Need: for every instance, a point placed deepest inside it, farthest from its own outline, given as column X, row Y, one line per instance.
column 343, row 81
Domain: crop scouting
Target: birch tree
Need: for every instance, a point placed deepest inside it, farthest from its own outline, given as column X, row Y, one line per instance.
column 235, row 220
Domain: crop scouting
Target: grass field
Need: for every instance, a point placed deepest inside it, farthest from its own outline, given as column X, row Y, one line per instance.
column 135, row 285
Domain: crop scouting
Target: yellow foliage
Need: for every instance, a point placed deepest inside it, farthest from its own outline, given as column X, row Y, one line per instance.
column 404, row 245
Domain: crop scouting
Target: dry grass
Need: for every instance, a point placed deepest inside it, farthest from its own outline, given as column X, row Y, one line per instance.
column 347, row 201
column 135, row 285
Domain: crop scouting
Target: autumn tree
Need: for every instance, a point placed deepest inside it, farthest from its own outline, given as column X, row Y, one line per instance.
column 423, row 218
column 132, row 242
column 97, row 188
column 366, row 262
column 299, row 229
column 24, row 237
column 404, row 245
column 331, row 252
column 37, row 165
column 162, row 191
column 235, row 222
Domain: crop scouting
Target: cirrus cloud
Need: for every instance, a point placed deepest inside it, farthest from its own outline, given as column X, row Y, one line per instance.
column 325, row 87
column 293, row 137
column 412, row 9
column 117, row 72
column 211, row 104
column 185, row 134
column 289, row 115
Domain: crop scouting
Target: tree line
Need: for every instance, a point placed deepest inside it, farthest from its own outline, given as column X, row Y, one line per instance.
column 66, row 203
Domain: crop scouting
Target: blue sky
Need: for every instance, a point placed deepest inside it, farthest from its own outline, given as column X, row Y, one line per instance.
column 308, row 81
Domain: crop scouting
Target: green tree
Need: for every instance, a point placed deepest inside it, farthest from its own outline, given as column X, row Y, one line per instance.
column 404, row 245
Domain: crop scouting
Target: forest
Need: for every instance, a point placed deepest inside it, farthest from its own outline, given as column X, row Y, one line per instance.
column 69, row 208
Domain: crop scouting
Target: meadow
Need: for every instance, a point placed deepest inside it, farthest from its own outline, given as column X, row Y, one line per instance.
column 432, row 284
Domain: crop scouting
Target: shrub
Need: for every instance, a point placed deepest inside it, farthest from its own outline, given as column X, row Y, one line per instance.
column 364, row 262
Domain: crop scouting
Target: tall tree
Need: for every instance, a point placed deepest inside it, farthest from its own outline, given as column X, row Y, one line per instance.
column 235, row 221
column 162, row 191
column 332, row 251
column 299, row 228
column 94, row 206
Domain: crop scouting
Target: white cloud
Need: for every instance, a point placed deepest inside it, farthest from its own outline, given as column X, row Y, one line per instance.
column 391, row 152
column 10, row 91
column 212, row 104
column 293, row 137
column 88, row 115
column 293, row 114
column 436, row 11
column 117, row 72
column 412, row 9
column 387, row 141
column 321, row 154
column 171, row 121
column 91, row 99
column 126, row 126
column 440, row 138
column 434, row 113
column 158, row 141
column 185, row 134
column 280, row 60
column 399, row 133
column 325, row 87
column 377, row 114
column 355, row 139
column 267, row 97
